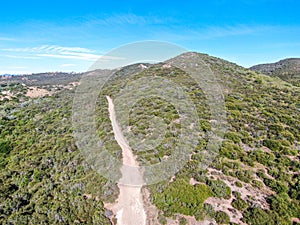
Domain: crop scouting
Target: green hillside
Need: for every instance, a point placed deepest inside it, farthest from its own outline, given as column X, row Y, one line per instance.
column 44, row 178
column 287, row 69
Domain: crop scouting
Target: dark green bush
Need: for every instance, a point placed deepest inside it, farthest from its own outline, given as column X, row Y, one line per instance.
column 257, row 216
column 219, row 188
column 239, row 204
column 231, row 150
column 233, row 136
column 257, row 184
column 244, row 175
column 222, row 217
column 238, row 184
column 281, row 204
column 181, row 197
column 275, row 185
column 274, row 145
column 5, row 147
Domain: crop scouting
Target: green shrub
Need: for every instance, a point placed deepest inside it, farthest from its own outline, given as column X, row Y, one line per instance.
column 5, row 146
column 244, row 175
column 231, row 150
column 209, row 210
column 274, row 145
column 182, row 221
column 257, row 216
column 275, row 185
column 3, row 161
column 238, row 184
column 181, row 197
column 262, row 157
column 239, row 204
column 257, row 183
column 281, row 204
column 294, row 190
column 236, row 194
column 233, row 136
column 219, row 188
column 222, row 217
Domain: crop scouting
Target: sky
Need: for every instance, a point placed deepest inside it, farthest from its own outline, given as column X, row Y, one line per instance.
column 49, row 36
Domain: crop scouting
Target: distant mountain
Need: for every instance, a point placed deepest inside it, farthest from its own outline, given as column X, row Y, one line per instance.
column 7, row 75
column 40, row 79
column 287, row 69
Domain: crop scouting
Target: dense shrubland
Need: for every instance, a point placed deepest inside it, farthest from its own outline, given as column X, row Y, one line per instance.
column 45, row 180
column 43, row 176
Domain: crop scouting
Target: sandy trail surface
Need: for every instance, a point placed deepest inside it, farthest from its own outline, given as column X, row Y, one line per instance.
column 129, row 207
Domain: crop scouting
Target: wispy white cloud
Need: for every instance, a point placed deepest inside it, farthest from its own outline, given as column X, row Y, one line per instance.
column 48, row 48
column 20, row 57
column 217, row 31
column 54, row 51
column 79, row 56
column 169, row 27
column 68, row 65
column 6, row 39
column 127, row 19
column 122, row 19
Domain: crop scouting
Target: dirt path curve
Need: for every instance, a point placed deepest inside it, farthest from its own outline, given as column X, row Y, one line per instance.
column 129, row 207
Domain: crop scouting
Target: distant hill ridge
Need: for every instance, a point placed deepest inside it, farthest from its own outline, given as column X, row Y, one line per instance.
column 40, row 79
column 286, row 69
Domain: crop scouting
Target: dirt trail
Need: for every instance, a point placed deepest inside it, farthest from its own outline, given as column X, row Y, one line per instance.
column 129, row 207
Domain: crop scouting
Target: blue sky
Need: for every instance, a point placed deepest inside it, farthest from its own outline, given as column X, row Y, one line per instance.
column 40, row 36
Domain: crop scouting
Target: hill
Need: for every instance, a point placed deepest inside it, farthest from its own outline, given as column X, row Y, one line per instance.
column 287, row 69
column 42, row 79
column 254, row 178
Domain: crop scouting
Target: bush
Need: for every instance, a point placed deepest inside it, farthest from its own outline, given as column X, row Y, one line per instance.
column 209, row 210
column 222, row 218
column 281, row 204
column 231, row 150
column 182, row 221
column 257, row 183
column 236, row 194
column 294, row 191
column 181, row 197
column 3, row 161
column 244, row 175
column 233, row 136
column 262, row 157
column 277, row 186
column 239, row 204
column 5, row 146
column 257, row 216
column 219, row 188
column 272, row 144
column 238, row 184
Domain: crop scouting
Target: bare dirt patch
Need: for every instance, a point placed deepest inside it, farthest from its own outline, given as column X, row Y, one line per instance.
column 36, row 92
column 6, row 94
column 247, row 191
column 258, row 195
column 225, row 206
